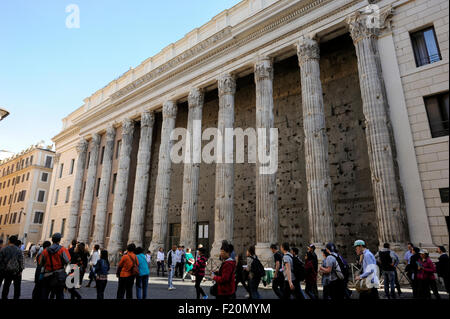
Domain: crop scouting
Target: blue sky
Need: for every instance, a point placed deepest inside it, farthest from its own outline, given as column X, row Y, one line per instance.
column 47, row 69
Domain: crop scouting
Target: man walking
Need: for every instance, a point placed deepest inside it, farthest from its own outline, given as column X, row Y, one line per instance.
column 388, row 261
column 171, row 264
column 369, row 271
column 11, row 266
column 160, row 261
column 278, row 277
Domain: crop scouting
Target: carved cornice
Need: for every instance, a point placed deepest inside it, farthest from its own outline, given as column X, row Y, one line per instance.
column 196, row 98
column 227, row 84
column 147, row 119
column 369, row 23
column 127, row 126
column 263, row 69
column 170, row 109
column 110, row 132
column 307, row 49
column 82, row 146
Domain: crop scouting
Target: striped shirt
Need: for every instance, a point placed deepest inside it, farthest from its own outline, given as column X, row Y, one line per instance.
column 199, row 266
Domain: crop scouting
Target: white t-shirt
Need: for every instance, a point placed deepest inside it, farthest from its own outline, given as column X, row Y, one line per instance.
column 160, row 256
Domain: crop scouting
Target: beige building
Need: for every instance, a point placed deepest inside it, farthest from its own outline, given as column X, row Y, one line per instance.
column 357, row 89
column 24, row 190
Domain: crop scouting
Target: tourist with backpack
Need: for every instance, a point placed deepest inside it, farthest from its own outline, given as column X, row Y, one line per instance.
column 54, row 260
column 278, row 277
column 142, row 278
column 369, row 271
column 332, row 275
column 101, row 274
column 38, row 285
column 299, row 270
column 255, row 272
column 11, row 267
column 388, row 262
column 225, row 282
column 127, row 271
column 291, row 285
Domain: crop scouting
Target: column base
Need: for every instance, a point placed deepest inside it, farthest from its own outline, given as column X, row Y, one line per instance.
column 264, row 254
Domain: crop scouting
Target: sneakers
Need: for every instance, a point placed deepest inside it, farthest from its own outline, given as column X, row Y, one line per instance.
column 205, row 297
column 172, row 288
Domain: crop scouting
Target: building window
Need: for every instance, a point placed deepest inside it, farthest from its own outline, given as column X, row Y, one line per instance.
column 1, row 217
column 88, row 159
column 20, row 217
column 38, row 217
column 8, row 182
column 61, row 167
column 31, row 160
column 28, row 175
column 438, row 113
column 52, row 224
column 98, row 186
column 63, row 226
column 41, row 196
column 14, row 181
column 48, row 161
column 22, row 195
column 102, row 155
column 67, row 194
column 444, row 195
column 72, row 164
column 113, row 183
column 6, row 219
column 4, row 200
column 425, row 46
column 44, row 177
column 23, row 178
column 15, row 197
column 56, row 196
column 119, row 144
column 14, row 218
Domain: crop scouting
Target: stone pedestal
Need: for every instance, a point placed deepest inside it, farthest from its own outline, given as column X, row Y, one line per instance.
column 136, row 234
column 86, row 211
column 392, row 224
column 72, row 223
column 121, row 191
column 320, row 204
column 266, row 184
column 162, row 192
column 192, row 172
column 102, row 202
column 224, row 198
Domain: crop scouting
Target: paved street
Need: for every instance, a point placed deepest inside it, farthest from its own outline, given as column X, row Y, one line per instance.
column 158, row 288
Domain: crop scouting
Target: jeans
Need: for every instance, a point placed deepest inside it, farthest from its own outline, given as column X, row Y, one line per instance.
column 297, row 292
column 389, row 282
column 125, row 287
column 253, row 284
column 141, row 287
column 277, row 285
column 198, row 289
column 74, row 294
column 160, row 265
column 311, row 290
column 101, row 285
column 334, row 290
column 170, row 277
column 17, row 279
column 54, row 292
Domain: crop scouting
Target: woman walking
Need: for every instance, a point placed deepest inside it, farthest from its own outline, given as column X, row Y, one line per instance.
column 101, row 273
column 199, row 272
column 253, row 278
column 310, row 277
column 142, row 279
column 189, row 264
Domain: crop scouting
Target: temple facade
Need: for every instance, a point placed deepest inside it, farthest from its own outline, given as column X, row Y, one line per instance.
column 358, row 93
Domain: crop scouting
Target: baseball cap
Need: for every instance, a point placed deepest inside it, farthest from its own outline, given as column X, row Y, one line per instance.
column 359, row 242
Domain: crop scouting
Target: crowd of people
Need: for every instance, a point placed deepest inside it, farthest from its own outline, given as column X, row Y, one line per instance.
column 59, row 268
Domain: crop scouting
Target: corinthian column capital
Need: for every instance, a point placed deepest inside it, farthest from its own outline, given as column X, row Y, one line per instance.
column 196, row 98
column 227, row 84
column 96, row 140
column 307, row 49
column 82, row 146
column 264, row 69
column 170, row 109
column 147, row 119
column 127, row 126
column 369, row 22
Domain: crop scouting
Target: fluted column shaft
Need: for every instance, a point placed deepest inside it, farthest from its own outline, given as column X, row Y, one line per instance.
column 121, row 190
column 162, row 192
column 136, row 234
column 192, row 171
column 102, row 202
column 392, row 224
column 320, row 204
column 71, row 228
column 86, row 208
column 224, row 198
column 266, row 184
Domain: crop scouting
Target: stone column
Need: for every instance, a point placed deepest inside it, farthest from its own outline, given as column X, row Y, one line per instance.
column 224, row 202
column 102, row 202
column 320, row 204
column 162, row 192
column 392, row 224
column 192, row 171
column 136, row 234
column 86, row 208
column 266, row 183
column 71, row 228
column 121, row 190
